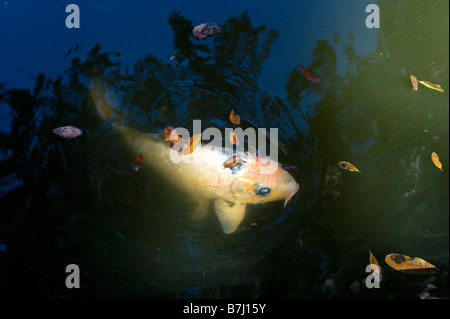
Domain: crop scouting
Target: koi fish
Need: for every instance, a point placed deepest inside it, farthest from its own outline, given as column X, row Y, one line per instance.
column 206, row 176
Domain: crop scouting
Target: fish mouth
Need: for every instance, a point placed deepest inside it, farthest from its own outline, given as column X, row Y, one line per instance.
column 288, row 198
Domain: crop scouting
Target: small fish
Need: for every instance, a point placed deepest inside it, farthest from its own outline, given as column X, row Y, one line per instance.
column 348, row 166
column 138, row 163
column 67, row 131
column 435, row 159
column 309, row 75
column 205, row 30
column 235, row 119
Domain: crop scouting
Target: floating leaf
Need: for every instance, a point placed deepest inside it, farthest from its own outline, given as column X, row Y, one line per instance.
column 171, row 136
column 233, row 161
column 67, row 131
column 234, row 139
column 348, row 166
column 309, row 75
column 235, row 119
column 432, row 86
column 138, row 162
column 375, row 267
column 435, row 159
column 205, row 30
column 413, row 82
column 188, row 148
column 406, row 264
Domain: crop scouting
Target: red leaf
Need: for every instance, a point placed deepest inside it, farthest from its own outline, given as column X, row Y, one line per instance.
column 309, row 75
column 138, row 162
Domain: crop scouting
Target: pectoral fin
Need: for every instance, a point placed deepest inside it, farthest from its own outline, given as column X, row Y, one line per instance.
column 229, row 216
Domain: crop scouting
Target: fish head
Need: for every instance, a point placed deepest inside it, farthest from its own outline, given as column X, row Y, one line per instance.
column 258, row 183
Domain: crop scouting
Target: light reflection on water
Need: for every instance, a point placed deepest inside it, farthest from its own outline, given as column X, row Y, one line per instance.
column 132, row 234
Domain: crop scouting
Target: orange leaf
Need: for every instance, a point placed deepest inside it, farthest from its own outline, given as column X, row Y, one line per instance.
column 234, row 139
column 171, row 136
column 413, row 82
column 235, row 119
column 409, row 265
column 432, row 86
column 188, row 148
column 435, row 159
column 138, row 162
column 233, row 161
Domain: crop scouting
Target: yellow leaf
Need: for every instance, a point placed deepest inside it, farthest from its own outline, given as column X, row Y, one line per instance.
column 348, row 166
column 375, row 266
column 432, row 86
column 406, row 264
column 435, row 159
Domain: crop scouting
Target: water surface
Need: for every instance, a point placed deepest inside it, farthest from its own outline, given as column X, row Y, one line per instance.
column 79, row 202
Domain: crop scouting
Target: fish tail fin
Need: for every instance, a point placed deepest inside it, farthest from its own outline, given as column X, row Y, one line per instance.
column 100, row 94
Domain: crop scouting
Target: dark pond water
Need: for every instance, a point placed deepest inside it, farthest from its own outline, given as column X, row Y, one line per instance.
column 130, row 233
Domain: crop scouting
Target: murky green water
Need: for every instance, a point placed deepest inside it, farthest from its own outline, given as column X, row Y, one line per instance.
column 79, row 202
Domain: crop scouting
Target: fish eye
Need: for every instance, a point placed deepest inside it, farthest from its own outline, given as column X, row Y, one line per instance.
column 263, row 191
